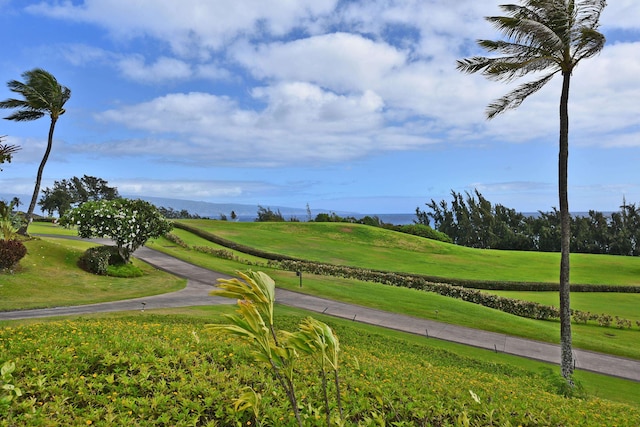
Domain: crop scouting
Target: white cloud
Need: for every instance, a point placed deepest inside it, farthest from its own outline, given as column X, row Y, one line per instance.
column 389, row 84
column 135, row 68
column 189, row 23
column 187, row 188
column 621, row 14
column 338, row 61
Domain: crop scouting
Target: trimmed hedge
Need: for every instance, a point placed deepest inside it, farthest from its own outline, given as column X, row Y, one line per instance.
column 97, row 259
column 11, row 252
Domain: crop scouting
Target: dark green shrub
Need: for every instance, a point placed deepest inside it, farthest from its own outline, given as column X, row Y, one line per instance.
column 11, row 251
column 97, row 259
column 422, row 230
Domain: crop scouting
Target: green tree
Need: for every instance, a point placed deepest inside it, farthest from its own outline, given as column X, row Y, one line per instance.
column 130, row 223
column 70, row 193
column 42, row 95
column 550, row 36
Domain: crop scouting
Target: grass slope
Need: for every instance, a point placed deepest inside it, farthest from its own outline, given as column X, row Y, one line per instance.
column 49, row 277
column 376, row 248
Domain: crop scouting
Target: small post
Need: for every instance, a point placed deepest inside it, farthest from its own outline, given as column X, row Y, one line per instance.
column 354, row 317
column 324, row 311
column 495, row 347
column 299, row 274
column 427, row 332
column 143, row 304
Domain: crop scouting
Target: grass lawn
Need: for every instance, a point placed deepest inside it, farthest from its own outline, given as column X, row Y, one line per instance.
column 371, row 247
column 616, row 304
column 49, row 277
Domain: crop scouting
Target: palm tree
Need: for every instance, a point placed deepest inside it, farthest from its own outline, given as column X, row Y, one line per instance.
column 42, row 94
column 550, row 36
column 7, row 151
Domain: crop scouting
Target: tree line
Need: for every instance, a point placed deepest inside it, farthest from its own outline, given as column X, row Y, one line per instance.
column 472, row 220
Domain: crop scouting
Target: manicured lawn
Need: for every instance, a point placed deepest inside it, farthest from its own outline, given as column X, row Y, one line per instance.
column 49, row 277
column 370, row 247
column 616, row 304
column 422, row 304
column 387, row 298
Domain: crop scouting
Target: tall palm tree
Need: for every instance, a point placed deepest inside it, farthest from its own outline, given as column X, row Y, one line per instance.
column 42, row 95
column 550, row 37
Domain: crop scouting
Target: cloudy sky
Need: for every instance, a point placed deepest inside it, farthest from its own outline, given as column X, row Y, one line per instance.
column 342, row 104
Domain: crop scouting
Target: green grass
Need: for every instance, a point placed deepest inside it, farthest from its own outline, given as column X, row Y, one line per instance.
column 370, row 247
column 49, row 277
column 617, row 304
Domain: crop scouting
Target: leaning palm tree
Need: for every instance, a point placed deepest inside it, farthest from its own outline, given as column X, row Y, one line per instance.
column 42, row 95
column 549, row 37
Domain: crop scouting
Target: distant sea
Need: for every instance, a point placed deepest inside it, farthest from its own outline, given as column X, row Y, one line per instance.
column 395, row 219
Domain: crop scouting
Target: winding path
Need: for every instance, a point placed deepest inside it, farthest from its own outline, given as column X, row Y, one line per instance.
column 201, row 280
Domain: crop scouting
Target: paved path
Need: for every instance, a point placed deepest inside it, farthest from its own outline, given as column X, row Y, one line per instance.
column 201, row 280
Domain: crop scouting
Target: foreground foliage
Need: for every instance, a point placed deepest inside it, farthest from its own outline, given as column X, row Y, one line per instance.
column 279, row 350
column 150, row 370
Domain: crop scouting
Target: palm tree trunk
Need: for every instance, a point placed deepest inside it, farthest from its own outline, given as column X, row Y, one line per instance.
column 565, row 231
column 36, row 190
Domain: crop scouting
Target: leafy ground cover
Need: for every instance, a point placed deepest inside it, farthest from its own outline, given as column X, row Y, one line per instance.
column 49, row 277
column 149, row 370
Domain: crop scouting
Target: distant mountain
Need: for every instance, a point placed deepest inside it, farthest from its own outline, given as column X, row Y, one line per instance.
column 245, row 212
column 215, row 210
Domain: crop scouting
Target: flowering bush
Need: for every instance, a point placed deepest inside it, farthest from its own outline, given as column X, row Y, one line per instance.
column 130, row 223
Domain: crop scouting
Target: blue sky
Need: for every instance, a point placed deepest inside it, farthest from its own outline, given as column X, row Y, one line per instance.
column 345, row 105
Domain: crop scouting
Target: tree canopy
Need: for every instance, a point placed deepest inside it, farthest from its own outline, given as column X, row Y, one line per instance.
column 70, row 193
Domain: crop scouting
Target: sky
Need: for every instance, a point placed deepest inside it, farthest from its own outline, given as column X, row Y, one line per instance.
column 351, row 106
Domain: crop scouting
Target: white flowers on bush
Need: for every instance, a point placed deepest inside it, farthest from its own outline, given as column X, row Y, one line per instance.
column 130, row 223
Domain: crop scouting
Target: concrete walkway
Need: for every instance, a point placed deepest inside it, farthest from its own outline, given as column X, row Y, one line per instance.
column 200, row 282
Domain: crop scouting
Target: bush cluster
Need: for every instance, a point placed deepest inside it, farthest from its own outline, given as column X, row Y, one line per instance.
column 11, row 251
column 98, row 259
column 420, row 230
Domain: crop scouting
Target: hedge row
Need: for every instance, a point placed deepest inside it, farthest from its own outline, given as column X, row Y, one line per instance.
column 233, row 245
column 509, row 305
column 513, row 306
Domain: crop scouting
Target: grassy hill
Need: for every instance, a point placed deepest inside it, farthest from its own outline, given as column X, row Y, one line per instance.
column 377, row 248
